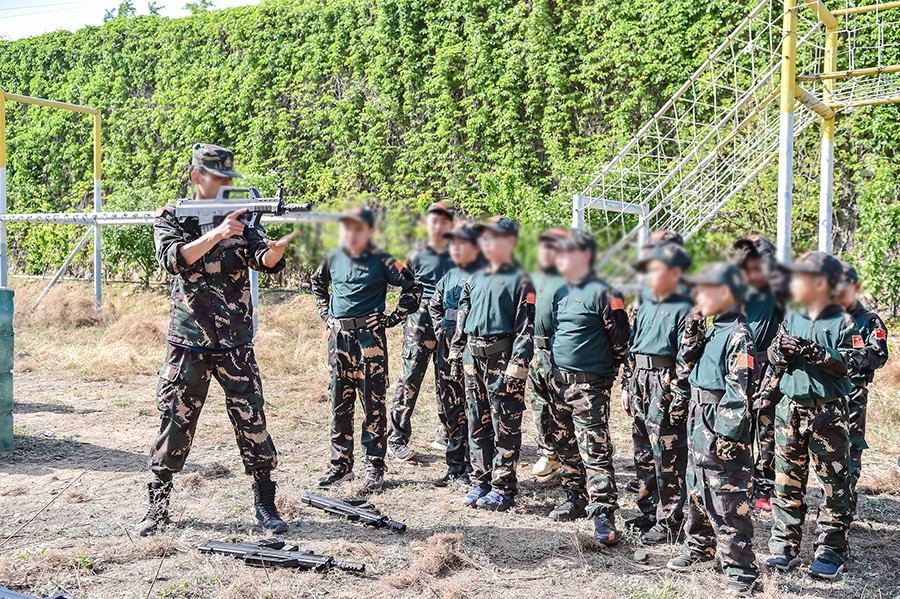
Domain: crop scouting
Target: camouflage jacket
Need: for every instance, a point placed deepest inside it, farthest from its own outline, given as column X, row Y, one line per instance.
column 864, row 361
column 498, row 303
column 211, row 305
column 725, row 364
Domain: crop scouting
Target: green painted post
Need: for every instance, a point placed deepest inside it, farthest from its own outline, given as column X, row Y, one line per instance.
column 6, row 366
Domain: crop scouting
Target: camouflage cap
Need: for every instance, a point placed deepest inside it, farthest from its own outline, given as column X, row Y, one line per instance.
column 822, row 264
column 850, row 275
column 745, row 249
column 440, row 208
column 721, row 273
column 215, row 159
column 553, row 235
column 464, row 231
column 664, row 236
column 670, row 254
column 499, row 224
column 361, row 214
column 578, row 239
column 764, row 245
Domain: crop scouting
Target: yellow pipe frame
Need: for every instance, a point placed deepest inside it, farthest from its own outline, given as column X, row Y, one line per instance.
column 855, row 10
column 830, row 76
column 810, row 100
column 789, row 56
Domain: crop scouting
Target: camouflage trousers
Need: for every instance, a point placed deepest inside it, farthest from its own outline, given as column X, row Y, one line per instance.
column 857, row 403
column 451, row 406
column 764, row 432
column 183, row 386
column 584, row 445
column 359, row 365
column 660, row 449
column 542, row 396
column 818, row 437
column 495, row 421
column 718, row 505
column 419, row 344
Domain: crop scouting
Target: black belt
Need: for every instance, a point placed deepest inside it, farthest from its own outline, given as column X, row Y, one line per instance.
column 351, row 324
column 481, row 347
column 541, row 342
column 704, row 396
column 574, row 378
column 815, row 402
column 648, row 361
column 762, row 357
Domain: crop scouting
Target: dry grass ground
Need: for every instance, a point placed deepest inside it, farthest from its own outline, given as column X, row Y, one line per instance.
column 85, row 415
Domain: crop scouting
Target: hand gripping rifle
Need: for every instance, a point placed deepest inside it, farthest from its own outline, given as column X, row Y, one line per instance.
column 210, row 213
column 272, row 553
column 355, row 511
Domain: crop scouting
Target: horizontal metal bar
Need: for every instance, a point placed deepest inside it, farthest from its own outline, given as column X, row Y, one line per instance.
column 52, row 104
column 145, row 218
column 855, row 10
column 874, row 102
column 893, row 68
column 612, row 205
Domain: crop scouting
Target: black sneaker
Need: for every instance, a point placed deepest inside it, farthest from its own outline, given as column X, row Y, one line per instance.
column 605, row 530
column 660, row 534
column 739, row 588
column 570, row 509
column 451, row 478
column 374, row 480
column 401, row 452
column 686, row 562
column 640, row 524
column 334, row 476
column 633, row 486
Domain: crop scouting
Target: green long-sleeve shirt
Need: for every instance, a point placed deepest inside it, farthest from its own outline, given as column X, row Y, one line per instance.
column 444, row 303
column 546, row 283
column 764, row 314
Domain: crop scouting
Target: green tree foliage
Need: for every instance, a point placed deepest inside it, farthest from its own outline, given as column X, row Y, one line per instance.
column 493, row 105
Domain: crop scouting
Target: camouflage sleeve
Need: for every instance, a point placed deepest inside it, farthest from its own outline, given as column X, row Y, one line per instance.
column 169, row 238
column 459, row 339
column 436, row 303
column 693, row 340
column 401, row 276
column 776, row 356
column 321, row 283
column 256, row 248
column 615, row 321
column 628, row 365
column 733, row 410
column 874, row 353
column 523, row 344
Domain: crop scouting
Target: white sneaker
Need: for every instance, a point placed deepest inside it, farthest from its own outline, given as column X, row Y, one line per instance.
column 545, row 466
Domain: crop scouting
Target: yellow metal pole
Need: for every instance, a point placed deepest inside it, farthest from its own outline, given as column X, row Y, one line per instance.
column 855, row 10
column 884, row 70
column 821, row 11
column 51, row 103
column 786, row 135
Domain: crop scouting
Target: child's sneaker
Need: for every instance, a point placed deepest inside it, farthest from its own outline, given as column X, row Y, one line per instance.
column 333, row 477
column 763, row 504
column 687, row 562
column 825, row 570
column 605, row 530
column 739, row 588
column 474, row 495
column 495, row 501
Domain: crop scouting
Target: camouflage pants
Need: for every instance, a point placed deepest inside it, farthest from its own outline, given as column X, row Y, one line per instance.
column 585, row 448
column 660, row 449
column 419, row 344
column 495, row 421
column 718, row 506
column 542, row 396
column 764, row 434
column 183, row 386
column 451, row 406
column 359, row 365
column 817, row 437
column 857, row 403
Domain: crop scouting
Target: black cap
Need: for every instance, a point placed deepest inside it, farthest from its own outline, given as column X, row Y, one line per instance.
column 671, row 254
column 850, row 274
column 440, row 208
column 499, row 224
column 360, row 214
column 822, row 264
column 721, row 273
column 664, row 236
column 578, row 239
column 553, row 235
column 464, row 231
column 745, row 249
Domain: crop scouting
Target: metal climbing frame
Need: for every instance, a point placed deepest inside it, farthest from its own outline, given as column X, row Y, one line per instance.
column 720, row 130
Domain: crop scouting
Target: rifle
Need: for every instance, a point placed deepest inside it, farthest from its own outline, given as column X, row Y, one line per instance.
column 355, row 511
column 273, row 553
column 210, row 213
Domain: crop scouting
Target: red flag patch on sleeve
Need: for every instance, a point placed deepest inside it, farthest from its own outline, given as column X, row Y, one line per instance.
column 880, row 333
column 530, row 298
column 858, row 341
column 744, row 361
column 399, row 265
column 616, row 303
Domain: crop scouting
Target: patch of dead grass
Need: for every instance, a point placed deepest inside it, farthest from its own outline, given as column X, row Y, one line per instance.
column 76, row 497
column 439, row 554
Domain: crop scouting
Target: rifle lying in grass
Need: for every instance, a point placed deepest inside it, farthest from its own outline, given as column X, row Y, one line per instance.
column 272, row 553
column 355, row 511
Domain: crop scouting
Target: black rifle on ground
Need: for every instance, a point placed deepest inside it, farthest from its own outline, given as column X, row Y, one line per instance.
column 355, row 511
column 272, row 553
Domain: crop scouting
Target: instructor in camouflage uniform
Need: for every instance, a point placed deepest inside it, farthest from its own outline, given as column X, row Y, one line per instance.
column 211, row 336
column 428, row 265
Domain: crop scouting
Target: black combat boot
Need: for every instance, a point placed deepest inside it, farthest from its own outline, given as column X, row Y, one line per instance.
column 264, row 501
column 570, row 509
column 157, row 515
